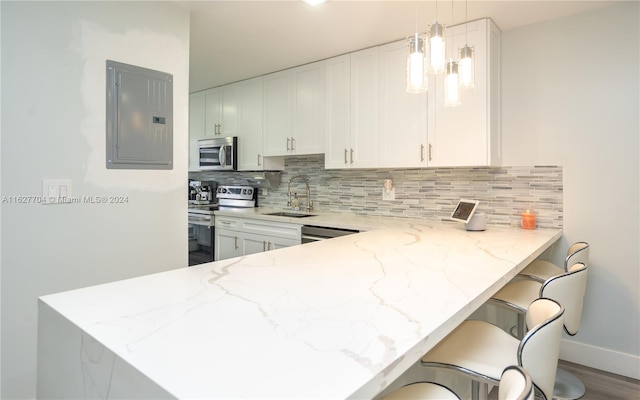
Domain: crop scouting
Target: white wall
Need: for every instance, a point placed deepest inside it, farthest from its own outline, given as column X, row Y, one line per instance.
column 53, row 126
column 570, row 98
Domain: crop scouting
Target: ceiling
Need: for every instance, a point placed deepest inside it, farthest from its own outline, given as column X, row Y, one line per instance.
column 234, row 40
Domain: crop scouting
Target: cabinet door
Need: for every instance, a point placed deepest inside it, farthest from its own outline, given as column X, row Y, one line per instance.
column 212, row 104
column 363, row 152
column 250, row 139
column 252, row 244
column 468, row 134
column 277, row 114
column 274, row 243
column 196, row 128
column 402, row 115
column 229, row 102
column 337, row 112
column 307, row 135
column 227, row 244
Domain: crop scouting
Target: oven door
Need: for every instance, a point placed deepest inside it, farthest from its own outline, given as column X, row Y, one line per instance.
column 201, row 247
column 218, row 154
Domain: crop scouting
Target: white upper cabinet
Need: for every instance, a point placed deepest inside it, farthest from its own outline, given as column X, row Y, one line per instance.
column 221, row 111
column 468, row 134
column 294, row 111
column 363, row 152
column 351, row 130
column 250, row 152
column 308, row 109
column 277, row 114
column 196, row 128
column 402, row 115
column 354, row 108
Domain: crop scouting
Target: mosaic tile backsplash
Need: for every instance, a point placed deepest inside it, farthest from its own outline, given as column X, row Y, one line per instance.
column 429, row 193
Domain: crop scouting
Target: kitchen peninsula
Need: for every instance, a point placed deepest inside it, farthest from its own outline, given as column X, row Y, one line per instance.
column 339, row 318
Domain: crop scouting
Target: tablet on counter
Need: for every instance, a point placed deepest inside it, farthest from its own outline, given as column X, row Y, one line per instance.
column 464, row 210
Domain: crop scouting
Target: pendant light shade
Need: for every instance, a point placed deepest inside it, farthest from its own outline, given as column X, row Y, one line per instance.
column 451, row 85
column 436, row 48
column 416, row 65
column 466, row 67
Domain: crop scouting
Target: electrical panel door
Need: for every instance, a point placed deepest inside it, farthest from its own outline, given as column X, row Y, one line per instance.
column 139, row 117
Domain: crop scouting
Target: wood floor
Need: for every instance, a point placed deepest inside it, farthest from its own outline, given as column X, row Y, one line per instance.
column 604, row 385
column 600, row 385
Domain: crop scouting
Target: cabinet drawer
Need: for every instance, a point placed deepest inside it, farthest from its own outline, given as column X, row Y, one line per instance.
column 278, row 229
column 228, row 223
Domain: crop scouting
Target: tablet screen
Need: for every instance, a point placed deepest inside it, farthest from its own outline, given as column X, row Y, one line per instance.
column 464, row 210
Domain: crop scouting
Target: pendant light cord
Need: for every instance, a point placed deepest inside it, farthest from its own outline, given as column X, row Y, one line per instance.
column 466, row 19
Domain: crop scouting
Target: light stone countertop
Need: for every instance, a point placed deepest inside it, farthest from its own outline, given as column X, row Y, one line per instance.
column 320, row 218
column 334, row 319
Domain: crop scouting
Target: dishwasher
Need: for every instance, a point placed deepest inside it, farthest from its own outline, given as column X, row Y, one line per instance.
column 312, row 233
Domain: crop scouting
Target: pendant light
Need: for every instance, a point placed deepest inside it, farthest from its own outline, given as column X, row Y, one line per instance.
column 451, row 79
column 436, row 46
column 466, row 65
column 452, row 85
column 416, row 68
column 416, row 71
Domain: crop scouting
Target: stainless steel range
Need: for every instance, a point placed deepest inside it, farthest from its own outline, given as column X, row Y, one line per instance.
column 202, row 219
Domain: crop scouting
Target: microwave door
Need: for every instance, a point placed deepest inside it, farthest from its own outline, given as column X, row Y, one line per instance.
column 210, row 157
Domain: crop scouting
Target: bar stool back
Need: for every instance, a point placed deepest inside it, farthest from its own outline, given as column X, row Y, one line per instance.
column 541, row 270
column 515, row 384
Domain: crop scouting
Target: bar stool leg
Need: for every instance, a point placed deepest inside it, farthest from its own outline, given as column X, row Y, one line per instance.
column 568, row 386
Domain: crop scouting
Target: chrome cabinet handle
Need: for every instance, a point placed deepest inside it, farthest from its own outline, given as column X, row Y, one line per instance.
column 293, row 142
column 430, row 148
column 259, row 160
column 345, row 156
column 288, row 144
column 264, row 246
column 421, row 152
column 351, row 156
column 236, row 242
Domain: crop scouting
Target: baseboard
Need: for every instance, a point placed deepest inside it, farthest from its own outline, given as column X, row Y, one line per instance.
column 600, row 358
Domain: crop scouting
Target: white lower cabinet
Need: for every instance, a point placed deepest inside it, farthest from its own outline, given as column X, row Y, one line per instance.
column 243, row 236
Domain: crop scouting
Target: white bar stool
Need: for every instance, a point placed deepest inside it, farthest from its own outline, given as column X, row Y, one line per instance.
column 515, row 384
column 568, row 289
column 482, row 350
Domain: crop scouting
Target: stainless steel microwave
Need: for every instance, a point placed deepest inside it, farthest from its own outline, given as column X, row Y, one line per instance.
column 218, row 153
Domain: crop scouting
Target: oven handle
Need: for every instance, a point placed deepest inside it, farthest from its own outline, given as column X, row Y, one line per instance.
column 313, row 238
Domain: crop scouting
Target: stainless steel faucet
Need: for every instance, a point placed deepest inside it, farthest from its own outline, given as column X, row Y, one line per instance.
column 308, row 195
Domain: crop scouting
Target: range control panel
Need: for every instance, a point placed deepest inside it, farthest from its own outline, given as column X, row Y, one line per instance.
column 235, row 192
column 237, row 196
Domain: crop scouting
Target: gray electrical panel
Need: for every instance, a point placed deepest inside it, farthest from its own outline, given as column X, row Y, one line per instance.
column 139, row 117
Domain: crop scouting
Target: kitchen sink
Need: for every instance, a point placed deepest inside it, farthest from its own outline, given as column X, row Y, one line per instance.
column 290, row 214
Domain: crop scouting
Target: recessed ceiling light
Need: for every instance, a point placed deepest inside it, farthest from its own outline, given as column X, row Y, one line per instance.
column 314, row 2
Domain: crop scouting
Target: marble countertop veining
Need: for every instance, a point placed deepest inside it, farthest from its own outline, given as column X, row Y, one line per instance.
column 334, row 319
